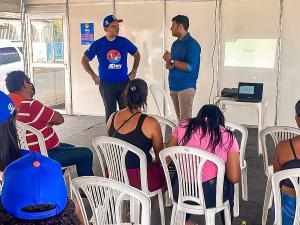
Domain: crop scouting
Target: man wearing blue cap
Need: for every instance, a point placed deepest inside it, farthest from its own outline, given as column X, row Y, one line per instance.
column 111, row 51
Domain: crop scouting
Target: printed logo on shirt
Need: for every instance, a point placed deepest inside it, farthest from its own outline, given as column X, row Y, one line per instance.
column 114, row 56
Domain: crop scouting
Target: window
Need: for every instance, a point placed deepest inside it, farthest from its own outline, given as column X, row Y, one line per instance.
column 9, row 55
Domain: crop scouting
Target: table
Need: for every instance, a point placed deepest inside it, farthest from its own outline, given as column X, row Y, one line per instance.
column 261, row 107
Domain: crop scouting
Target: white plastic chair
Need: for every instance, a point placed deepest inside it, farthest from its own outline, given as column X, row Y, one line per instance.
column 189, row 163
column 22, row 129
column 293, row 175
column 166, row 126
column 278, row 133
column 163, row 103
column 106, row 198
column 244, row 132
column 114, row 151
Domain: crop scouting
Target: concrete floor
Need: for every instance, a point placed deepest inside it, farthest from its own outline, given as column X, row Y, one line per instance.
column 79, row 130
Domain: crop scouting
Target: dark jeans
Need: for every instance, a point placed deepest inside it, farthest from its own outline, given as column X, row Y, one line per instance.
column 111, row 94
column 68, row 155
column 209, row 190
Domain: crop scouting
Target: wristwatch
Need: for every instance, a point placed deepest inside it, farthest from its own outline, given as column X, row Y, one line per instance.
column 172, row 61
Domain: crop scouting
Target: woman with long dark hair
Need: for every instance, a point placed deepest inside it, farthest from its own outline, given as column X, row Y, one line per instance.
column 207, row 131
column 9, row 149
column 143, row 131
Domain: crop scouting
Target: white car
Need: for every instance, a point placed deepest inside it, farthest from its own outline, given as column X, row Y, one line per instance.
column 11, row 58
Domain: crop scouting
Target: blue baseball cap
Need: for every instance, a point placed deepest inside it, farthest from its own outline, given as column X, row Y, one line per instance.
column 109, row 19
column 33, row 180
column 6, row 107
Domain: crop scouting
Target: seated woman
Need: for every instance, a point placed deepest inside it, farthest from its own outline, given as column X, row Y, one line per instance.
column 287, row 156
column 140, row 130
column 207, row 131
column 10, row 150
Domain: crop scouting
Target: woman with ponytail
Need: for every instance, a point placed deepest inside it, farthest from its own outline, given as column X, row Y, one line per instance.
column 207, row 132
column 135, row 127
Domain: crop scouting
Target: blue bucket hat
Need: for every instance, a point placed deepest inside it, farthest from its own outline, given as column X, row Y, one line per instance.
column 6, row 107
column 33, row 180
column 109, row 19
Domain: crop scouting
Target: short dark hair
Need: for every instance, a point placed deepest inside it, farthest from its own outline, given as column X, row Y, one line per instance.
column 15, row 80
column 136, row 94
column 183, row 20
column 66, row 217
column 297, row 108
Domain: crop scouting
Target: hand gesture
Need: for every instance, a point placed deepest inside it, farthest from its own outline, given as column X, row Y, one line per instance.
column 167, row 56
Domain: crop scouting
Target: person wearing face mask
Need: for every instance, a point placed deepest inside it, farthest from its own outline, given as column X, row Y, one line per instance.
column 42, row 118
column 111, row 51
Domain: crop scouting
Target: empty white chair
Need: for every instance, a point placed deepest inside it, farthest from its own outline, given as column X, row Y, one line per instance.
column 22, row 129
column 163, row 103
column 277, row 133
column 112, row 151
column 244, row 132
column 293, row 175
column 189, row 163
column 106, row 198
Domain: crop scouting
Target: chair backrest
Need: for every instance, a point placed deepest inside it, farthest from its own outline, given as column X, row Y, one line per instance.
column 293, row 175
column 244, row 132
column 114, row 152
column 189, row 162
column 162, row 100
column 25, row 129
column 278, row 133
column 106, row 198
column 166, row 126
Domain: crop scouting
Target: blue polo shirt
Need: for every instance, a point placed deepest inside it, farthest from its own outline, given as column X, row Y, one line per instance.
column 185, row 50
column 112, row 58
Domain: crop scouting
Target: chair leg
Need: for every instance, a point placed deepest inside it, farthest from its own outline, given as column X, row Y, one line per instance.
column 173, row 215
column 227, row 216
column 210, row 217
column 244, row 182
column 266, row 202
column 67, row 176
column 161, row 208
column 168, row 200
column 236, row 201
column 134, row 211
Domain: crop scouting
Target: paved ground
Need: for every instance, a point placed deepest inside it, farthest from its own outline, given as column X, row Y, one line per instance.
column 79, row 130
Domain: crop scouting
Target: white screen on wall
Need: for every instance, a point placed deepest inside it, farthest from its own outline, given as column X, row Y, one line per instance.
column 257, row 53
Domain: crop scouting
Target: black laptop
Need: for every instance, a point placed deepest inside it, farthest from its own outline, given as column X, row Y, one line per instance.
column 250, row 92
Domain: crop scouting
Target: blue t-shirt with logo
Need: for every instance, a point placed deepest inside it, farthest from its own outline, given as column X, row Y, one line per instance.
column 112, row 58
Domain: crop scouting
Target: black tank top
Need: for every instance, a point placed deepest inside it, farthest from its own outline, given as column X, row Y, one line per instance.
column 135, row 137
column 294, row 163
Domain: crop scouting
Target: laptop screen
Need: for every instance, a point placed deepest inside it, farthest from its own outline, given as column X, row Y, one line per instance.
column 247, row 89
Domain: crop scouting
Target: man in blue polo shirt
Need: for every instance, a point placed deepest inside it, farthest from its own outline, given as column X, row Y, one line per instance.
column 183, row 64
column 111, row 51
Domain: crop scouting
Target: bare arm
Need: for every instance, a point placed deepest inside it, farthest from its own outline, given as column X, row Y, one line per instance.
column 85, row 62
column 108, row 124
column 276, row 164
column 136, row 62
column 232, row 167
column 157, row 139
column 57, row 119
